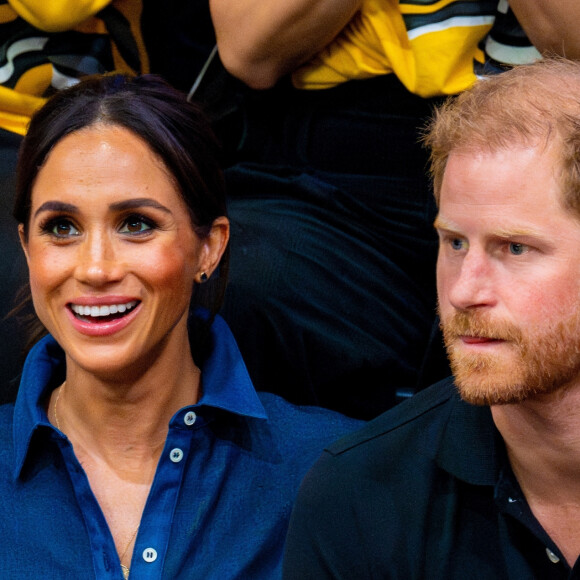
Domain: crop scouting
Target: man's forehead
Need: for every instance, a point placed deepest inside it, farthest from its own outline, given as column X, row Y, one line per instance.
column 519, row 174
column 508, row 193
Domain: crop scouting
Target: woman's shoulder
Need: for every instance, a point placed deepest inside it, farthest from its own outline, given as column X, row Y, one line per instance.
column 292, row 438
column 6, row 419
column 306, row 423
column 6, row 433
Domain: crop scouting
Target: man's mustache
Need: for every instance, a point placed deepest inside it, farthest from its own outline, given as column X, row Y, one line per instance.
column 478, row 325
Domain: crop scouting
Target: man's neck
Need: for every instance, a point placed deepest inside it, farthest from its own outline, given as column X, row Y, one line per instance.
column 542, row 438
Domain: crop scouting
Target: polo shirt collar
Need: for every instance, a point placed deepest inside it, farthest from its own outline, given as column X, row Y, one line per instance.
column 226, row 386
column 471, row 447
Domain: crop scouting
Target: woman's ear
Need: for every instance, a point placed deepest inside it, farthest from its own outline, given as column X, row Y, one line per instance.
column 214, row 246
column 23, row 240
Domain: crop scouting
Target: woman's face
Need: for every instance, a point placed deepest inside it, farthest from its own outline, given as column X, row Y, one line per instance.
column 112, row 253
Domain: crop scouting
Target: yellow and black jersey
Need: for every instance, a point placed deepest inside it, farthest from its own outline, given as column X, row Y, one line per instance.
column 435, row 47
column 47, row 45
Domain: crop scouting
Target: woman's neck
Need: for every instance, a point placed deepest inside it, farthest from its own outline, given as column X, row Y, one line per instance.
column 115, row 416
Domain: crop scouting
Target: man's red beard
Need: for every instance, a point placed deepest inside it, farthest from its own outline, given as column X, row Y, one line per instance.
column 539, row 361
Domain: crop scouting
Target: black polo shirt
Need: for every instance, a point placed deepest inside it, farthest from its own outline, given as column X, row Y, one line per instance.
column 423, row 491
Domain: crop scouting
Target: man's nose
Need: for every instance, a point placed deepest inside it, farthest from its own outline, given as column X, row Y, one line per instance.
column 472, row 285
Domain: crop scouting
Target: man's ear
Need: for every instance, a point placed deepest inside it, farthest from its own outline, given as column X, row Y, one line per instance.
column 214, row 246
column 23, row 240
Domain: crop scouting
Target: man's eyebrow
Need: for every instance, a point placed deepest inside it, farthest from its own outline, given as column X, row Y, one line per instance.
column 499, row 232
column 137, row 203
column 441, row 223
column 56, row 206
column 515, row 232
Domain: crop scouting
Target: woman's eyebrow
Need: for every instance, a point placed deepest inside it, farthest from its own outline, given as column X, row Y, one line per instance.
column 60, row 206
column 137, row 203
column 56, row 206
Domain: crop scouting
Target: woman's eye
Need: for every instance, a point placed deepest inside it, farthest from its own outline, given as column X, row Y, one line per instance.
column 61, row 229
column 136, row 225
column 517, row 249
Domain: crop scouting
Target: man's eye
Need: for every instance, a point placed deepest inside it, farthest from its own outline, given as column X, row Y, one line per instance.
column 458, row 244
column 136, row 225
column 517, row 249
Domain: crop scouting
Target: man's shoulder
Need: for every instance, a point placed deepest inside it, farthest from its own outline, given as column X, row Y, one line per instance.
column 397, row 487
column 395, row 456
column 424, row 415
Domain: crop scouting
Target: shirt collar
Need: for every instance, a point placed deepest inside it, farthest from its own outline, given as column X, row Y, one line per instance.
column 40, row 369
column 471, row 447
column 225, row 379
column 226, row 385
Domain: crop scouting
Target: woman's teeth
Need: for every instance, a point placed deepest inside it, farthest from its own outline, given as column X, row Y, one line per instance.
column 95, row 311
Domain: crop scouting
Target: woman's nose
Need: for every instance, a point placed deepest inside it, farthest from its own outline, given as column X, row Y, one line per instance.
column 97, row 261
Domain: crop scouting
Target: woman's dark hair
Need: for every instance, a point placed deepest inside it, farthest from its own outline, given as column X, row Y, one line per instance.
column 175, row 129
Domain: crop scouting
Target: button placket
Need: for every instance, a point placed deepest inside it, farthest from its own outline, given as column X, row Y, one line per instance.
column 153, row 539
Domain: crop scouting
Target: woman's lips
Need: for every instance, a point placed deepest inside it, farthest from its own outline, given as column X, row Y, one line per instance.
column 103, row 319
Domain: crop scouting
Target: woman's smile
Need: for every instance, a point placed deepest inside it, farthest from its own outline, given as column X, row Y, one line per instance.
column 105, row 319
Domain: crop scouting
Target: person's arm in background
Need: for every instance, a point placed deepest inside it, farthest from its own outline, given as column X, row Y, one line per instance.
column 260, row 41
column 56, row 15
column 553, row 26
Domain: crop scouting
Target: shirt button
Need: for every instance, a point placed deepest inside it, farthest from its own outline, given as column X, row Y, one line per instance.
column 552, row 557
column 176, row 455
column 149, row 555
column 189, row 418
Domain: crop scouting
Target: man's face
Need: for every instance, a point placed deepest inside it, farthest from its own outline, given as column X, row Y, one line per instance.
column 508, row 275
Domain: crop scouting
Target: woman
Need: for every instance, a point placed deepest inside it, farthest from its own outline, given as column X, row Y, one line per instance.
column 44, row 47
column 137, row 443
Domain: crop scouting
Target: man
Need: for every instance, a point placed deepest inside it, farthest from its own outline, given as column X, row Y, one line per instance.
column 478, row 477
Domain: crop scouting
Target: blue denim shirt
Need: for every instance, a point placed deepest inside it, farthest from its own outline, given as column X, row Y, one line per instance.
column 221, row 497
